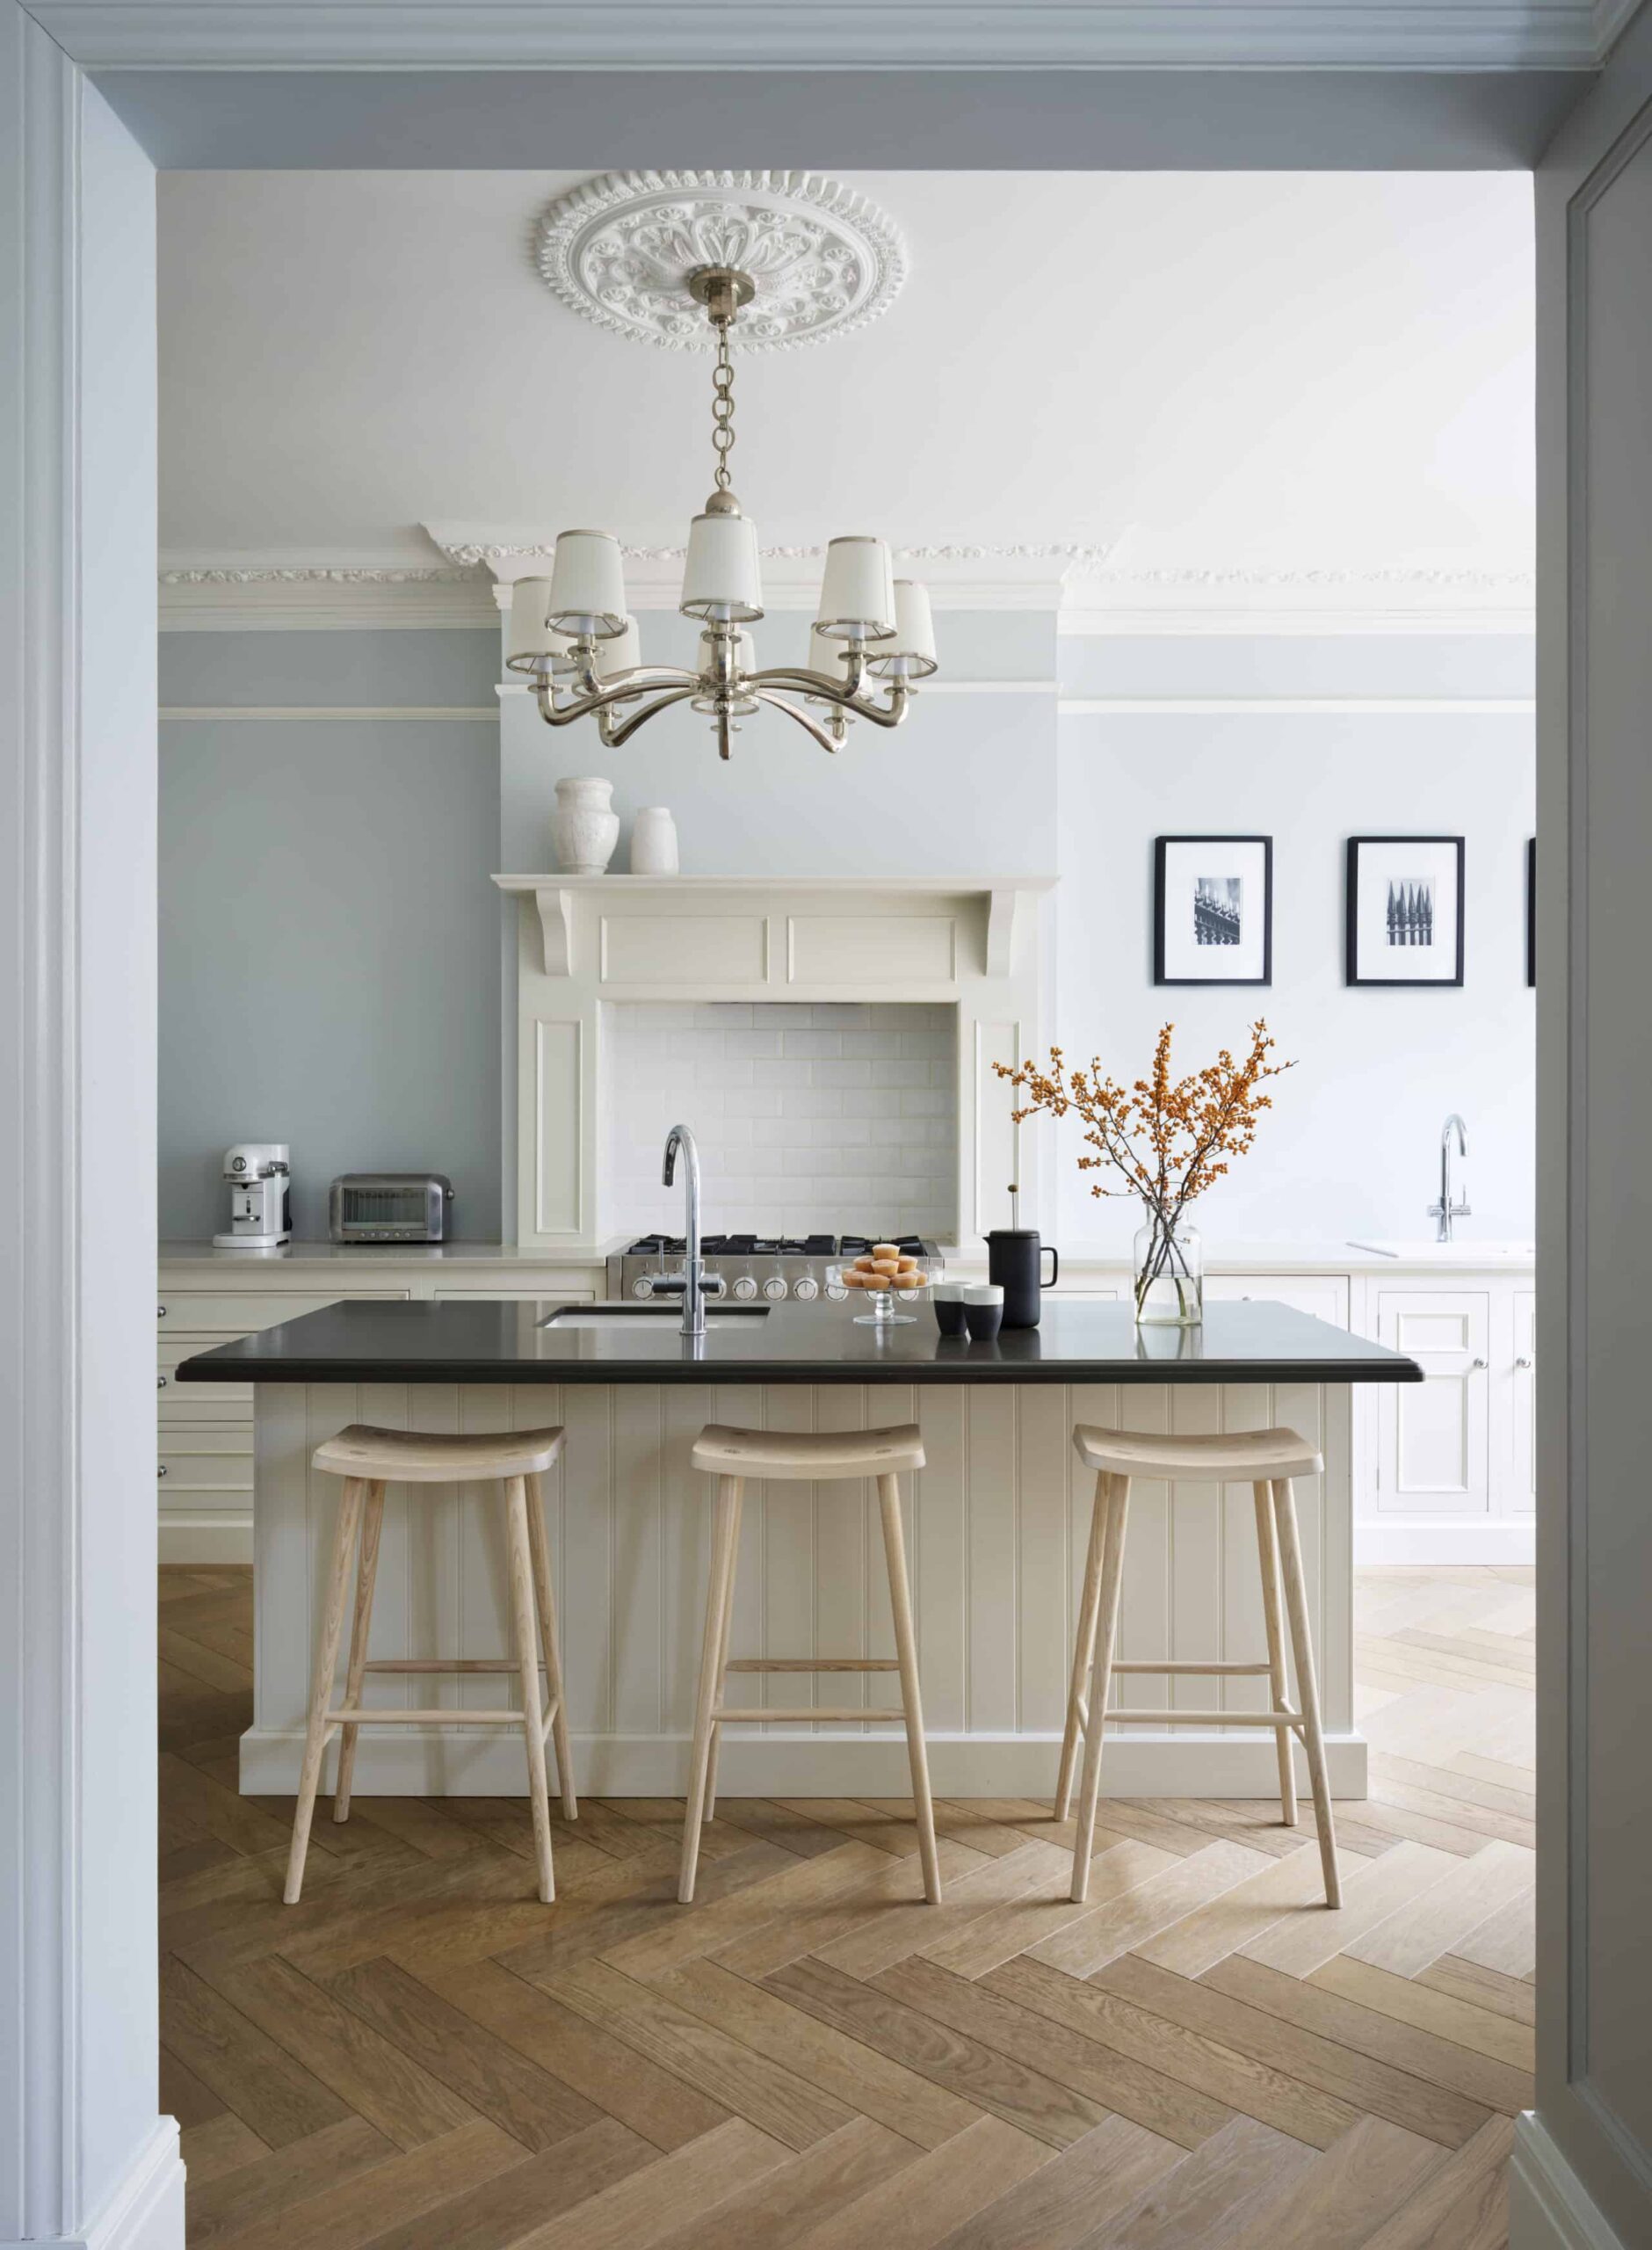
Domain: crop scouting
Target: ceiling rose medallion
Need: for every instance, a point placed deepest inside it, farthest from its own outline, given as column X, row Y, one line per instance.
column 821, row 258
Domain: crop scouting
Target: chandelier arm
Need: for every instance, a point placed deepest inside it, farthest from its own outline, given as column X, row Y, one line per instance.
column 626, row 690
column 628, row 726
column 809, row 726
column 831, row 691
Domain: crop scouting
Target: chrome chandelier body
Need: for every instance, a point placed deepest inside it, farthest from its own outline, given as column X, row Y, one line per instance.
column 571, row 633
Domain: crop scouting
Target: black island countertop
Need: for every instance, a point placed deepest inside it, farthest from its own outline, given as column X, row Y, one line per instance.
column 495, row 1341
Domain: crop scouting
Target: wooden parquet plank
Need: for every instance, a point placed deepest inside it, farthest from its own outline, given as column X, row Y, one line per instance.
column 1175, row 2104
column 854, row 2073
column 516, row 2205
column 1474, row 2174
column 1371, row 2171
column 887, row 1892
column 651, row 2204
column 346, row 2213
column 760, row 1816
column 1506, row 1942
column 184, row 2096
column 219, row 2145
column 524, row 2100
column 799, row 1888
column 1476, row 2029
column 923, row 2205
column 655, row 2103
column 1067, row 2199
column 1022, row 2096
column 1425, row 2054
column 1360, row 2081
column 1284, row 1890
column 370, row 2073
column 218, row 2209
column 417, row 1823
column 239, row 1821
column 588, row 1923
column 1448, row 1912
column 901, row 1929
column 246, row 2069
column 1140, row 1913
column 1370, row 1895
column 791, row 2200
column 1240, row 2173
column 985, row 1940
column 1487, row 1988
column 768, row 2096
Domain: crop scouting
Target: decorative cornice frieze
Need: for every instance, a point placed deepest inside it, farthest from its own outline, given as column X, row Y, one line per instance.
column 269, row 575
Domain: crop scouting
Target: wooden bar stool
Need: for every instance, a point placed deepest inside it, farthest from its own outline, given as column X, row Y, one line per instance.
column 1268, row 1460
column 367, row 1459
column 731, row 1456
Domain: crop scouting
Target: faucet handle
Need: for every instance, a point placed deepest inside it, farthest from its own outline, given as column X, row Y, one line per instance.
column 666, row 1285
column 712, row 1285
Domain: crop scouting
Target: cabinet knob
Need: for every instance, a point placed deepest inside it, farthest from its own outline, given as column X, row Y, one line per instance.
column 1476, row 1363
column 160, row 1383
column 161, row 1470
column 1524, row 1360
column 160, row 1312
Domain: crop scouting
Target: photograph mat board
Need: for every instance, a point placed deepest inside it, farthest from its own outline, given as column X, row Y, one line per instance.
column 1213, row 909
column 1405, row 909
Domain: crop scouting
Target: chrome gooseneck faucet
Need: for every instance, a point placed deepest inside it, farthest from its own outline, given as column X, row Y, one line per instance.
column 693, row 1282
column 1445, row 1210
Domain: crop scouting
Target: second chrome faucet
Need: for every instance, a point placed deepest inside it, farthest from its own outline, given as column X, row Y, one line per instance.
column 1445, row 1210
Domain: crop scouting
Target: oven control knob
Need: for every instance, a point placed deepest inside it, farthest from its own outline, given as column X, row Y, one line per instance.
column 807, row 1289
column 775, row 1286
column 642, row 1289
column 745, row 1288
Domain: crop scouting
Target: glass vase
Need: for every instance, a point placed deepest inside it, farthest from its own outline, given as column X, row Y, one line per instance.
column 1169, row 1273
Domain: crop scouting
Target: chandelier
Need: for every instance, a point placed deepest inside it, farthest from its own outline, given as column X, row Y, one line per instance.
column 572, row 636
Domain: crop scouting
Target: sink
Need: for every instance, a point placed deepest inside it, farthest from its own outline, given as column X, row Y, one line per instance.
column 648, row 1319
column 1463, row 1252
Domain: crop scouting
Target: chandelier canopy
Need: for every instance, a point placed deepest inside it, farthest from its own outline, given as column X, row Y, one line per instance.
column 573, row 636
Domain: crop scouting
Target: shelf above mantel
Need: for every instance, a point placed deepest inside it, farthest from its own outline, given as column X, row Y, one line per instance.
column 554, row 895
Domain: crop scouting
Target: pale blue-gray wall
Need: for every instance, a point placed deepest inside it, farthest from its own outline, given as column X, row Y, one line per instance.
column 328, row 936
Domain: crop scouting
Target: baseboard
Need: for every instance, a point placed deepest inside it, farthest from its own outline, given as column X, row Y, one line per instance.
column 208, row 1538
column 1549, row 2207
column 1434, row 1540
column 146, row 2211
column 423, row 1761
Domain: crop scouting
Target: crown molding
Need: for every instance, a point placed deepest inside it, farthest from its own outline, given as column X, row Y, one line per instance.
column 251, row 596
column 795, row 35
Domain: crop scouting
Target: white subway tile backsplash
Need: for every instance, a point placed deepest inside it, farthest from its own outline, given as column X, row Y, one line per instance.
column 824, row 1115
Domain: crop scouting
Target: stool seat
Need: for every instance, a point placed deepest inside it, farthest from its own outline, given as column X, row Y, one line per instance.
column 808, row 1454
column 1255, row 1454
column 434, row 1457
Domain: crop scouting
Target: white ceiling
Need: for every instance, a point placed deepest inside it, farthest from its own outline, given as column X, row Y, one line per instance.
column 1282, row 370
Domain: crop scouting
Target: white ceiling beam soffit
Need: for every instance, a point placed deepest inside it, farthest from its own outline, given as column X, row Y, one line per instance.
column 901, row 34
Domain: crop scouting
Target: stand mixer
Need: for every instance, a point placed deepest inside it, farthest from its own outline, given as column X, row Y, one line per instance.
column 260, row 1196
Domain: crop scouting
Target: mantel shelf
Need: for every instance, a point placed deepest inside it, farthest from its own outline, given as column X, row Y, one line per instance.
column 552, row 893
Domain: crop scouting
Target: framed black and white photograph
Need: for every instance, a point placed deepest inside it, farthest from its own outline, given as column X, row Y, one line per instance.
column 1531, row 909
column 1213, row 909
column 1405, row 909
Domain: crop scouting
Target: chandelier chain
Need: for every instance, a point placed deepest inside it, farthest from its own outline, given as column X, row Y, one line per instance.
column 722, row 411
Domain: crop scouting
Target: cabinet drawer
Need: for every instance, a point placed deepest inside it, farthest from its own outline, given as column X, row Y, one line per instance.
column 212, row 1402
column 227, row 1468
column 239, row 1314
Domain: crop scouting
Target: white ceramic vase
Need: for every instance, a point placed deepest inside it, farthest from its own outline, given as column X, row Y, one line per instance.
column 654, row 842
column 584, row 827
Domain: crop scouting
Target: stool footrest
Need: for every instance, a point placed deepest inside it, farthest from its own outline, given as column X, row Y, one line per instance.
column 1190, row 1667
column 416, row 1664
column 1206, row 1718
column 449, row 1718
column 723, row 1716
column 812, row 1664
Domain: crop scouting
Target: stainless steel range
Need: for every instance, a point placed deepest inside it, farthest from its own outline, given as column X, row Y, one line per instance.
column 755, row 1266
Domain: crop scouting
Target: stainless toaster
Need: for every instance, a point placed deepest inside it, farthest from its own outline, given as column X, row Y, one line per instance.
column 389, row 1206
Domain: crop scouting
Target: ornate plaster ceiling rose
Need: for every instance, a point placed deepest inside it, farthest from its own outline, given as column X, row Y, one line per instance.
column 619, row 250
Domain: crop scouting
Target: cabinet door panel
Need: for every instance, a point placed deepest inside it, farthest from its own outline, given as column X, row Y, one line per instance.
column 1521, row 1498
column 1325, row 1295
column 1433, row 1452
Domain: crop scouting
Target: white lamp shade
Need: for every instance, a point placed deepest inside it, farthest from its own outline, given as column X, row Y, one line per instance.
column 622, row 653
column 745, row 652
column 534, row 646
column 857, row 594
column 827, row 654
column 911, row 655
column 588, row 585
column 721, row 581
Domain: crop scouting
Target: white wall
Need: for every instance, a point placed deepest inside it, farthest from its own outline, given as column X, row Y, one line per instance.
column 1352, row 1146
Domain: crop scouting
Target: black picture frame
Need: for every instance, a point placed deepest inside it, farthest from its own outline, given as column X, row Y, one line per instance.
column 1162, row 848
column 1458, row 846
column 1531, row 911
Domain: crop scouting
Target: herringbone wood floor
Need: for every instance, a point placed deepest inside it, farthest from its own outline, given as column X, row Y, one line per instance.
column 420, row 2056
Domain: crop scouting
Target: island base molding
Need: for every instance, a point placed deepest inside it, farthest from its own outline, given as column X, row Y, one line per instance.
column 421, row 1761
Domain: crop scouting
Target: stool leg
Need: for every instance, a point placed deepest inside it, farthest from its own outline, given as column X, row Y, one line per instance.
column 1268, row 1556
column 722, row 1658
column 361, row 1625
column 521, row 1569
column 718, row 1599
column 545, row 1592
column 349, row 1523
column 1085, row 1647
column 1306, row 1683
column 906, row 1650
column 1100, row 1683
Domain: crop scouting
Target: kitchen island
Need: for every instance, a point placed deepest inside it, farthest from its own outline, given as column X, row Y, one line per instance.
column 997, row 1525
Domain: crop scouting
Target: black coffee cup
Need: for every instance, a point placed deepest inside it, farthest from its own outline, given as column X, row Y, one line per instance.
column 949, row 1312
column 983, row 1321
column 1015, row 1261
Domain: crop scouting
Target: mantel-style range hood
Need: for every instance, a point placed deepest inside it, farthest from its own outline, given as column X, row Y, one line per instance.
column 586, row 944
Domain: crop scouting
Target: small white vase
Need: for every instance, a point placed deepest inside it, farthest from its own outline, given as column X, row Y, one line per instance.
column 584, row 827
column 654, row 841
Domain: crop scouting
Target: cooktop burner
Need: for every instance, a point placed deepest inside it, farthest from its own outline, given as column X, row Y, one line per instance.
column 756, row 1246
